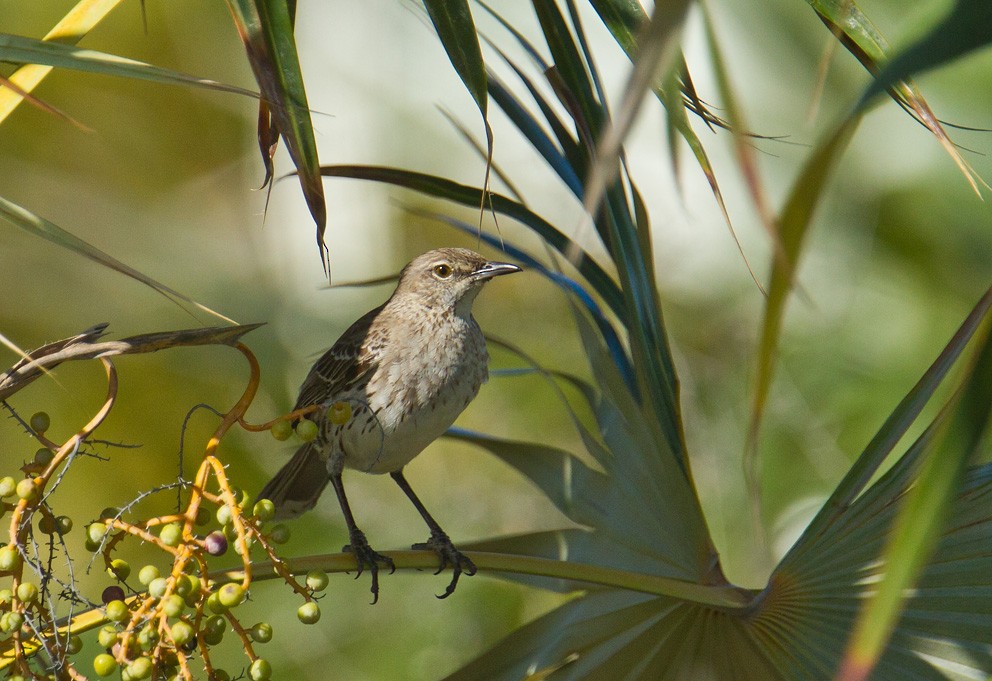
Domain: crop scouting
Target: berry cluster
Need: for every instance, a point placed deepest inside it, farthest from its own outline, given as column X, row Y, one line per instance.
column 162, row 623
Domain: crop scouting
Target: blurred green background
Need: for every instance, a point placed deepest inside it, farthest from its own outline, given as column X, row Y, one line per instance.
column 166, row 181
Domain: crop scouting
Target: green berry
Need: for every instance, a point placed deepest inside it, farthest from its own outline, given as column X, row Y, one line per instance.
column 213, row 629
column 182, row 633
column 339, row 413
column 306, row 430
column 308, row 613
column 195, row 586
column 281, row 430
column 119, row 568
column 40, row 422
column 74, row 644
column 158, row 586
column 63, row 524
column 264, row 510
column 148, row 637
column 47, row 524
column 261, row 632
column 104, row 664
column 109, row 512
column 317, row 580
column 202, row 516
column 96, row 532
column 43, row 456
column 224, row 515
column 173, row 605
column 220, row 675
column 171, row 534
column 147, row 574
column 7, row 486
column 141, row 668
column 27, row 592
column 10, row 558
column 231, row 595
column 6, row 596
column 279, row 534
column 11, row 621
column 117, row 611
column 183, row 585
column 213, row 603
column 260, row 670
column 27, row 489
column 107, row 636
column 243, row 498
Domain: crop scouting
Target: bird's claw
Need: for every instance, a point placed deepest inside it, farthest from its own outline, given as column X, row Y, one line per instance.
column 367, row 557
column 449, row 556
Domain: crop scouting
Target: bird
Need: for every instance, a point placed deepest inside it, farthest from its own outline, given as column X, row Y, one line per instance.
column 393, row 383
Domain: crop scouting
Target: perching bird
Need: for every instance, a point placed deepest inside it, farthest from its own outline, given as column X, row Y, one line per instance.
column 391, row 385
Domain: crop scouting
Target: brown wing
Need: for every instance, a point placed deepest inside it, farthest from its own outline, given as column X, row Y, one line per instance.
column 347, row 362
column 298, row 484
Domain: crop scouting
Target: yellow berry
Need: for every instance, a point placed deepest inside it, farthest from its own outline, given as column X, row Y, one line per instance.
column 306, row 430
column 339, row 413
column 281, row 430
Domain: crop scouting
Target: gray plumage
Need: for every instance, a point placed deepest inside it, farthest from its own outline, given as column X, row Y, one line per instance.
column 405, row 371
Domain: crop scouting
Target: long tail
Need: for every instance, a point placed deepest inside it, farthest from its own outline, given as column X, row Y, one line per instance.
column 298, row 485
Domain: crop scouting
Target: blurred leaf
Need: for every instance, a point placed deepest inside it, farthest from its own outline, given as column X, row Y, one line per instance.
column 576, row 83
column 560, row 160
column 863, row 40
column 648, row 480
column 575, row 161
column 917, row 527
column 21, row 50
column 483, row 151
column 824, row 581
column 966, row 28
column 266, row 29
column 453, row 21
column 623, row 18
column 432, row 185
column 657, row 54
column 38, row 226
column 10, row 86
column 569, row 65
column 797, row 626
column 899, row 421
column 742, row 145
column 79, row 21
column 793, row 224
column 578, row 491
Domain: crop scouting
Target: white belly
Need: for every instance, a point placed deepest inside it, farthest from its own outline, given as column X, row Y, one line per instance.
column 439, row 387
column 391, row 443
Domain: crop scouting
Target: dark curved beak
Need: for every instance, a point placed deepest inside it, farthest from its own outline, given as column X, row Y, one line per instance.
column 494, row 269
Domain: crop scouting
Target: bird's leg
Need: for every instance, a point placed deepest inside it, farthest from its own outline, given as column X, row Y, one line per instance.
column 365, row 556
column 439, row 542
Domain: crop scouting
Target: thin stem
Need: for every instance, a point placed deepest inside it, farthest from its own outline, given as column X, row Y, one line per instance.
column 721, row 596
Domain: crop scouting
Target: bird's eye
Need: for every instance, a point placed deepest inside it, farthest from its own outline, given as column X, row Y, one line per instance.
column 442, row 271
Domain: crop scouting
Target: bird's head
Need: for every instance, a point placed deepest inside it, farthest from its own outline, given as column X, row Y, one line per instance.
column 450, row 277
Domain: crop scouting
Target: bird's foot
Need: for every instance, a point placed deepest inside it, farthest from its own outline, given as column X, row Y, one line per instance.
column 367, row 557
column 451, row 557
